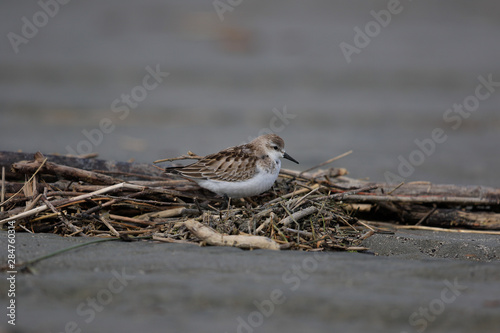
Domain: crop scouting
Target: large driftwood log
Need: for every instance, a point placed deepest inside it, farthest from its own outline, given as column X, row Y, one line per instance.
column 413, row 192
column 450, row 218
column 62, row 171
column 7, row 159
column 414, row 214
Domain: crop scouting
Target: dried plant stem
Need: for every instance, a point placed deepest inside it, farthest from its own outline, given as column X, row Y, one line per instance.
column 80, row 197
column 326, row 162
column 417, row 199
column 465, row 231
column 105, row 220
column 394, row 189
column 62, row 217
column 189, row 156
column 299, row 215
column 171, row 240
column 343, row 195
column 26, row 183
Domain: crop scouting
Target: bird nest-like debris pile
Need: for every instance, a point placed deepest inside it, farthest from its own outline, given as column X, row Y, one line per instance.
column 324, row 210
column 61, row 195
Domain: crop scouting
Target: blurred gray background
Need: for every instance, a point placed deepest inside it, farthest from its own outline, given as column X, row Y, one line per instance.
column 227, row 76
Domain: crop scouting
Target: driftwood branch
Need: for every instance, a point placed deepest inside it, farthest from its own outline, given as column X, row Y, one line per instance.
column 7, row 159
column 42, row 208
column 450, row 218
column 212, row 237
column 299, row 215
column 62, row 171
column 418, row 190
column 433, row 199
column 422, row 190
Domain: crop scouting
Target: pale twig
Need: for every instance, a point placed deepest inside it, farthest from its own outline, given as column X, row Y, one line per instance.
column 366, row 225
column 268, row 221
column 189, row 156
column 326, row 162
column 78, row 198
column 298, row 215
column 347, row 222
column 300, row 232
column 130, row 219
column 301, row 199
column 426, row 216
column 367, row 234
column 171, row 240
column 288, row 195
column 33, row 202
column 22, row 188
column 394, row 189
column 343, row 195
column 62, row 217
column 465, row 231
column 25, row 229
column 167, row 213
column 211, row 237
column 104, row 219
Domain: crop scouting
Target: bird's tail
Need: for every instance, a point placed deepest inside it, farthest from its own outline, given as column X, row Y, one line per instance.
column 173, row 170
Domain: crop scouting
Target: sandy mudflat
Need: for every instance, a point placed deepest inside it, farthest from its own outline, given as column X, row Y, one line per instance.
column 420, row 281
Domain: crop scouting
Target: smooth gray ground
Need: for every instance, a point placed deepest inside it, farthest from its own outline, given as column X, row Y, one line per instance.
column 185, row 288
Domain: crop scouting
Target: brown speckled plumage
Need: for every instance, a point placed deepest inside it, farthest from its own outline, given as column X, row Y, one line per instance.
column 257, row 162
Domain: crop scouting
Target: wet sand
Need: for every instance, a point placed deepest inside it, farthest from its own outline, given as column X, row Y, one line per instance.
column 417, row 281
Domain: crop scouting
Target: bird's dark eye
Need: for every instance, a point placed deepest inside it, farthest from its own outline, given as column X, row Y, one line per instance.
column 276, row 148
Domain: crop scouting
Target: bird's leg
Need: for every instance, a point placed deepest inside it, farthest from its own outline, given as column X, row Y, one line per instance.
column 227, row 202
column 198, row 206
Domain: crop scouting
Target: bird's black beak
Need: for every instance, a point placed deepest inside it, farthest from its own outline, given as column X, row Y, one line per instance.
column 288, row 157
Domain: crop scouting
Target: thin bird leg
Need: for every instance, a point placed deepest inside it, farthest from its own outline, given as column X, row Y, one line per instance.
column 227, row 201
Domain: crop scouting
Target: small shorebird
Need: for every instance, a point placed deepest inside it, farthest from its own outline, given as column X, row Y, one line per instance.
column 240, row 171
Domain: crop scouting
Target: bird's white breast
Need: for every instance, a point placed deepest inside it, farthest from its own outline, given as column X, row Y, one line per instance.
column 261, row 182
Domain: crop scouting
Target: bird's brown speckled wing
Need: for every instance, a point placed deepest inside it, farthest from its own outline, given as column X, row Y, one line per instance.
column 232, row 165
